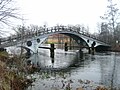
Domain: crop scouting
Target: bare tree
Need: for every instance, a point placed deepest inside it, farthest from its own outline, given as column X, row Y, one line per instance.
column 111, row 17
column 7, row 12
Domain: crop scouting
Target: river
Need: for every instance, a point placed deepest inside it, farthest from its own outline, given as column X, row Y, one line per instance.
column 67, row 69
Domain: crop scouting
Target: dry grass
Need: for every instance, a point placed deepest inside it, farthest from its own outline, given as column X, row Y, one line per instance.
column 9, row 79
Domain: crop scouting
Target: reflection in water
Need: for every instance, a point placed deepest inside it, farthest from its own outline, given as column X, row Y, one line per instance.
column 61, row 60
column 110, row 70
column 67, row 69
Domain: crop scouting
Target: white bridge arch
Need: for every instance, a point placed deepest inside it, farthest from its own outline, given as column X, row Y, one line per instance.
column 34, row 41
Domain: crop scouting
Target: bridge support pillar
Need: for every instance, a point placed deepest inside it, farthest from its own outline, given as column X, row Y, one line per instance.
column 52, row 61
column 70, row 43
column 52, row 51
column 66, row 47
column 81, row 53
column 89, row 50
column 93, row 49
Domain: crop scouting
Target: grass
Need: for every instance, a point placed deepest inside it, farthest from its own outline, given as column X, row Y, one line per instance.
column 9, row 78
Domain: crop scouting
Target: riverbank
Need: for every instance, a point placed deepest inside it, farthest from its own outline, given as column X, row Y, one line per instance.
column 115, row 48
column 12, row 76
column 59, row 81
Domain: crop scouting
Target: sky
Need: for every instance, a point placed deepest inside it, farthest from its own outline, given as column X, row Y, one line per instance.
column 52, row 12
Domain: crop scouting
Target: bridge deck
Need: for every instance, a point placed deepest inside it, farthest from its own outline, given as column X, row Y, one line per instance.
column 9, row 41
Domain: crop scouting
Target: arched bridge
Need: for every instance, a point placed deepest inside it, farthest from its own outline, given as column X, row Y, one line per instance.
column 33, row 41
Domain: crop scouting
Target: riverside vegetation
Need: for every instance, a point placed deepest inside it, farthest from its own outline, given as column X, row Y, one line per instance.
column 12, row 72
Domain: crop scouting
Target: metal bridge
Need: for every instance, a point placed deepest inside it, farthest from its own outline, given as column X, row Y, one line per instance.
column 34, row 40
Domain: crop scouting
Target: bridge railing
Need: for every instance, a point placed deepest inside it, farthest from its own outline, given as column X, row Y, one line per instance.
column 24, row 37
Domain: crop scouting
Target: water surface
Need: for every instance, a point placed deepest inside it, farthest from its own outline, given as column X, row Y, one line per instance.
column 67, row 69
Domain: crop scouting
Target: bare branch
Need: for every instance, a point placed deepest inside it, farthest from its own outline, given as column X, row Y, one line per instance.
column 7, row 11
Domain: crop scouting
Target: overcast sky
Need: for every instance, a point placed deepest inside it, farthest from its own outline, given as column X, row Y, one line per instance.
column 52, row 12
